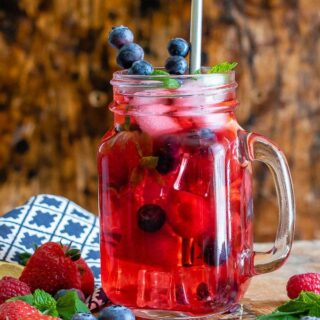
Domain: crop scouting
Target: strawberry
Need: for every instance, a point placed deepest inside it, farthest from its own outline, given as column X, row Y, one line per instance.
column 117, row 157
column 53, row 267
column 303, row 282
column 87, row 278
column 39, row 317
column 11, row 287
column 18, row 310
column 188, row 214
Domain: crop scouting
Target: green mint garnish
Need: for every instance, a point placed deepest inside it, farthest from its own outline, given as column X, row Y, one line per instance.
column 168, row 82
column 69, row 304
column 223, row 67
column 27, row 298
column 45, row 303
column 149, row 162
column 65, row 307
column 198, row 71
column 41, row 300
column 307, row 304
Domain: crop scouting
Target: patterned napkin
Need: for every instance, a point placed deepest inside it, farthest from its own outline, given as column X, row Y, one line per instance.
column 46, row 218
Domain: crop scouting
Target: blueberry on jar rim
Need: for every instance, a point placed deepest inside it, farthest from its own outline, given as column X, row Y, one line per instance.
column 119, row 36
column 151, row 217
column 176, row 65
column 129, row 54
column 141, row 67
column 178, row 47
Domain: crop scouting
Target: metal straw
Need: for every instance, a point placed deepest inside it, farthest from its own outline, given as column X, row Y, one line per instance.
column 196, row 35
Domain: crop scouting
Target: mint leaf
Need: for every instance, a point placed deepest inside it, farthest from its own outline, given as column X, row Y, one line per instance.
column 27, row 298
column 223, row 67
column 198, row 71
column 45, row 303
column 69, row 304
column 308, row 303
column 278, row 316
column 168, row 82
column 149, row 162
column 314, row 311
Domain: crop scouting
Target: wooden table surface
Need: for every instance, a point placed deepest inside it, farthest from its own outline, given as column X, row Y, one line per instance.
column 268, row 291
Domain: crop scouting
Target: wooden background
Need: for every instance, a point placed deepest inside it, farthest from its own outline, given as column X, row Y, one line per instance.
column 54, row 71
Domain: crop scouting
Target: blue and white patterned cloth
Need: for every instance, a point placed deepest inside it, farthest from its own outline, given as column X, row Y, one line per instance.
column 51, row 218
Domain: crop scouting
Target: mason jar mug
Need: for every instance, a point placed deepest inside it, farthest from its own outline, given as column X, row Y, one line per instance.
column 175, row 197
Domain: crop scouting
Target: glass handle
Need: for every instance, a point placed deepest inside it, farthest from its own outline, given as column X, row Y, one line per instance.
column 261, row 149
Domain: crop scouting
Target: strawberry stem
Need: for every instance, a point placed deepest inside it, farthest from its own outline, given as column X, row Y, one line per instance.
column 74, row 254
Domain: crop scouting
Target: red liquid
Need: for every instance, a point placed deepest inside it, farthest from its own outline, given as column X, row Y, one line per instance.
column 199, row 260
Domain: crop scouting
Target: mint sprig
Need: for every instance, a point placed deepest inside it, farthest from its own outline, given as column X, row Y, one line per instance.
column 65, row 307
column 69, row 304
column 168, row 82
column 223, row 67
column 307, row 304
column 45, row 303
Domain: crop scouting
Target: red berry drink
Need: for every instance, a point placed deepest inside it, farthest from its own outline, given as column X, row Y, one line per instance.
column 175, row 196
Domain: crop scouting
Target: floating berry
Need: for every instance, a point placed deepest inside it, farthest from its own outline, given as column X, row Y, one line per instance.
column 206, row 134
column 116, row 312
column 202, row 291
column 176, row 65
column 129, row 54
column 151, row 217
column 141, row 67
column 119, row 36
column 178, row 47
column 168, row 155
column 214, row 255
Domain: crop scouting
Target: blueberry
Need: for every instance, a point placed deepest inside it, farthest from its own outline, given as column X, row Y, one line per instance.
column 151, row 217
column 176, row 65
column 203, row 291
column 129, row 54
column 116, row 312
column 206, row 133
column 62, row 292
column 213, row 255
column 168, row 155
column 119, row 36
column 83, row 316
column 141, row 67
column 178, row 47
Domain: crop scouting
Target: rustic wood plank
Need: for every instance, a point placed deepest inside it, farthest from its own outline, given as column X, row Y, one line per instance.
column 55, row 65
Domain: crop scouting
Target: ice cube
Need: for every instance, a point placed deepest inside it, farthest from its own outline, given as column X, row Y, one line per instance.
column 154, row 289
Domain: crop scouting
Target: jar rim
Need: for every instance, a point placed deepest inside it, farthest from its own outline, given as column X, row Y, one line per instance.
column 123, row 76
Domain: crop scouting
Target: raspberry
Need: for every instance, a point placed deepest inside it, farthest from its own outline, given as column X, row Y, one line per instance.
column 11, row 287
column 16, row 310
column 303, row 282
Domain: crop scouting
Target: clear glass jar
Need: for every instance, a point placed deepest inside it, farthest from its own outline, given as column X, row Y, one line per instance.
column 175, row 197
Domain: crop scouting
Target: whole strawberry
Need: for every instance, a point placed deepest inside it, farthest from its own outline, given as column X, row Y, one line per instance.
column 53, row 267
column 303, row 282
column 11, row 287
column 87, row 278
column 16, row 310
